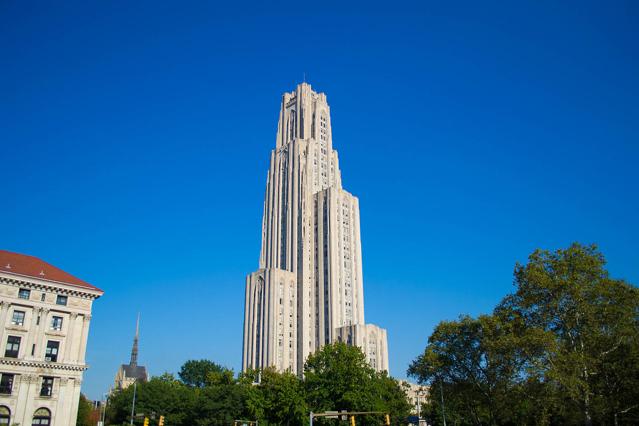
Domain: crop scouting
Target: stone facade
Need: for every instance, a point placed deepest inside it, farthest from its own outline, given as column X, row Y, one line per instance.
column 417, row 395
column 371, row 338
column 309, row 283
column 44, row 327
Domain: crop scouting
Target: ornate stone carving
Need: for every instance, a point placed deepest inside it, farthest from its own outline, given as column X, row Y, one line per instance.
column 30, row 378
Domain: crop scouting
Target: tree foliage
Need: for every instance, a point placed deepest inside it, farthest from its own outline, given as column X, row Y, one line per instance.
column 196, row 372
column 85, row 411
column 563, row 348
column 337, row 378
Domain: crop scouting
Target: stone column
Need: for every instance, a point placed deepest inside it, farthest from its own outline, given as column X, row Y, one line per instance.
column 58, row 415
column 68, row 341
column 72, row 412
column 83, row 341
column 39, row 339
column 32, row 336
column 26, row 398
column 4, row 308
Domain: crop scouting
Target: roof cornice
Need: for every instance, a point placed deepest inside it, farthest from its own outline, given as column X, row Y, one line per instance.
column 29, row 281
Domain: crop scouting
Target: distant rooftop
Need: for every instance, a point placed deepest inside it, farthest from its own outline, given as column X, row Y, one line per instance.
column 22, row 264
column 137, row 372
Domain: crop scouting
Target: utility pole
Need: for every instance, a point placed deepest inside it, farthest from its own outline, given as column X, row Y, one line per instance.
column 135, row 388
column 103, row 412
column 441, row 393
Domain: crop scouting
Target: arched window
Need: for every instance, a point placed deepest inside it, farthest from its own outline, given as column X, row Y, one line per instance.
column 42, row 417
column 5, row 415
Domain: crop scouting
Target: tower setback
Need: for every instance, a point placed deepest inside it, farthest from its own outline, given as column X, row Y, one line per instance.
column 308, row 290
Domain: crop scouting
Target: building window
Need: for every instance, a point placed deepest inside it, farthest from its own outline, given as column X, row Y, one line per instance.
column 47, row 386
column 6, row 384
column 13, row 347
column 56, row 323
column 5, row 415
column 51, row 353
column 61, row 300
column 42, row 417
column 24, row 293
column 17, row 318
column 43, row 297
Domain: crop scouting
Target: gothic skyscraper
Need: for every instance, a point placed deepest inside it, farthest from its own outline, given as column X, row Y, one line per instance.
column 308, row 290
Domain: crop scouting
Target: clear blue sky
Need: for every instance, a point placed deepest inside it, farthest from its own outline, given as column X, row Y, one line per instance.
column 135, row 137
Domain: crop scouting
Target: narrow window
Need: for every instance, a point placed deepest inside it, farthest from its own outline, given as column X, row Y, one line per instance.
column 61, row 300
column 51, row 353
column 56, row 323
column 17, row 318
column 43, row 297
column 13, row 347
column 6, row 384
column 24, row 293
column 47, row 386
column 33, row 350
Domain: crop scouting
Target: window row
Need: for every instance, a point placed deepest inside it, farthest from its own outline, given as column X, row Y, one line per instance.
column 6, row 385
column 41, row 417
column 25, row 293
column 12, row 349
column 18, row 319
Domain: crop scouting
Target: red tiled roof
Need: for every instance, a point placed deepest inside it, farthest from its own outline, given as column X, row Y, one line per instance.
column 31, row 266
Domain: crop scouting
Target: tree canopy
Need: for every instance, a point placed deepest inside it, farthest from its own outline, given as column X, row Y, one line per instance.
column 196, row 372
column 563, row 348
column 336, row 378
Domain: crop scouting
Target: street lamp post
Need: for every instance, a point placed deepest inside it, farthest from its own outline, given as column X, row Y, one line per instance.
column 441, row 393
column 135, row 388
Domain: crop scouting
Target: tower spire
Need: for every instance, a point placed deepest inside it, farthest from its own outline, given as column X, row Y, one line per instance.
column 134, row 350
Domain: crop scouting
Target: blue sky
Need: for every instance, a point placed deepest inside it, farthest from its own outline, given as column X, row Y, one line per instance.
column 135, row 139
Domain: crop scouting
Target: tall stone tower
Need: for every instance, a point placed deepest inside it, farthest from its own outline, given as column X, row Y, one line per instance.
column 308, row 290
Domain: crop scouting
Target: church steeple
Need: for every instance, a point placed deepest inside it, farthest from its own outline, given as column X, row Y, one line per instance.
column 134, row 350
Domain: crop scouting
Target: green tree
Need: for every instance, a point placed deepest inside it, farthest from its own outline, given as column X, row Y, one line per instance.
column 84, row 412
column 563, row 349
column 220, row 401
column 195, row 372
column 278, row 399
column 478, row 367
column 163, row 395
column 337, row 377
column 593, row 324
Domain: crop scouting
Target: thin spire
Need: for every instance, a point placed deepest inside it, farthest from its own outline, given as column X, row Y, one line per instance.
column 134, row 350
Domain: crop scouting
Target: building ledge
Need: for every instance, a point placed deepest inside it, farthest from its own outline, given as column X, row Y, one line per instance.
column 43, row 364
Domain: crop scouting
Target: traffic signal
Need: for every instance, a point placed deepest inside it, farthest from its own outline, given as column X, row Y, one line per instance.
column 161, row 422
column 146, row 421
column 352, row 420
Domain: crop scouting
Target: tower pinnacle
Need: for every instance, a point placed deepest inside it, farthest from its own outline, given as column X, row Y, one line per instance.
column 134, row 350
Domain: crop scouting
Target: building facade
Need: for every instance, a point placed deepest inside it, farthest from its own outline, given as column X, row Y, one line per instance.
column 417, row 396
column 132, row 372
column 309, row 284
column 44, row 326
